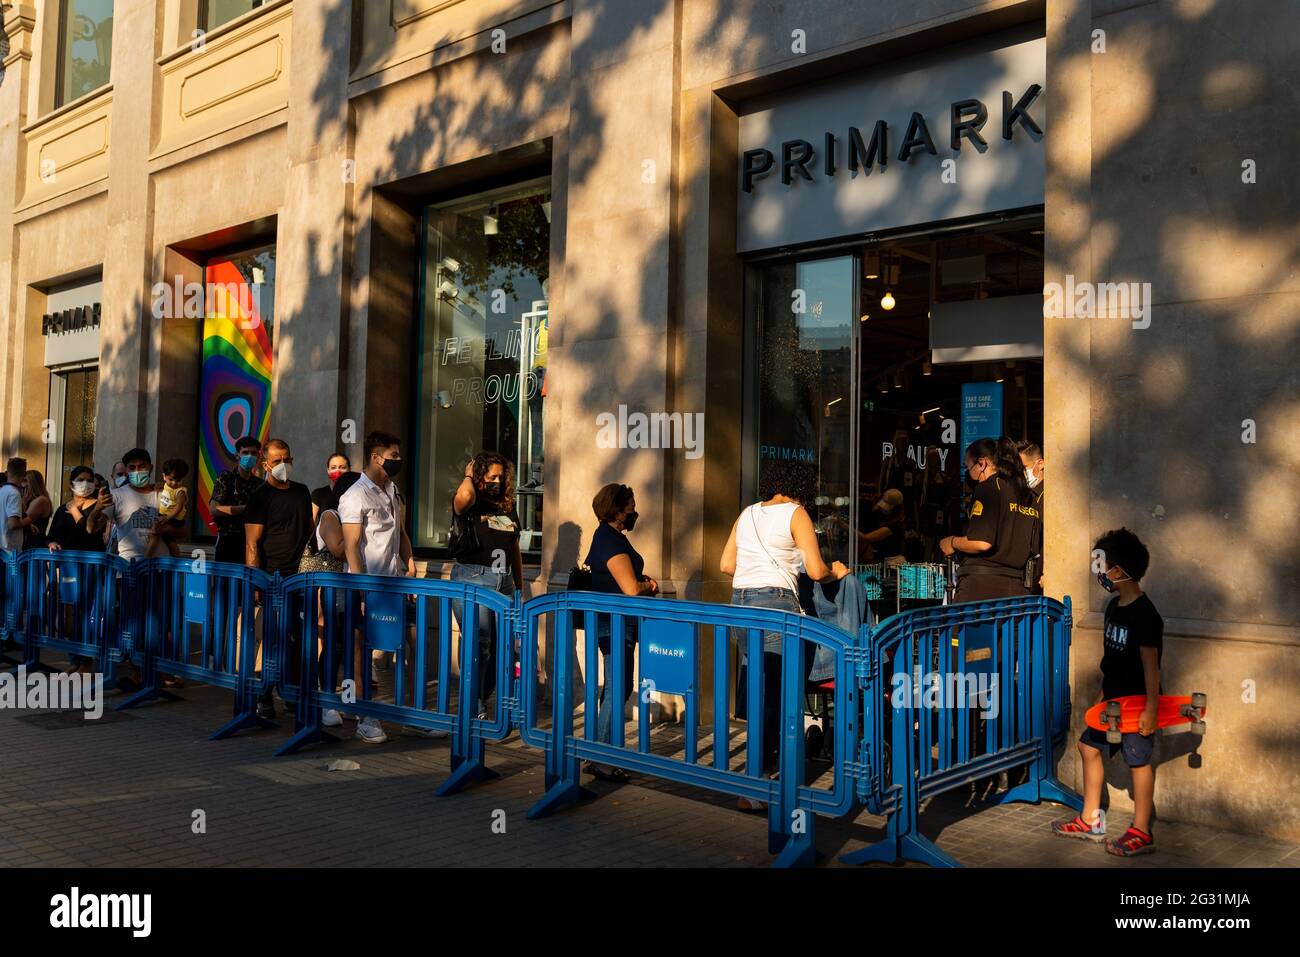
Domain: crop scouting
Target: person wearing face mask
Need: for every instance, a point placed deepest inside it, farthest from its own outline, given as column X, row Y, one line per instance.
column 69, row 529
column 277, row 519
column 374, row 532
column 277, row 526
column 230, row 495
column 771, row 543
column 1004, row 529
column 486, row 547
column 1133, row 648
column 133, row 508
column 335, row 468
column 616, row 568
column 11, row 505
column 1031, row 457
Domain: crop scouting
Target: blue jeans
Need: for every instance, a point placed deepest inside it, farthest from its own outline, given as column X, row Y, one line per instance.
column 504, row 582
column 605, row 714
column 781, row 599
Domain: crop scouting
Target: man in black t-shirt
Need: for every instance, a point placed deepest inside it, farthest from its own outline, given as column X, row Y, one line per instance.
column 277, row 524
column 1133, row 645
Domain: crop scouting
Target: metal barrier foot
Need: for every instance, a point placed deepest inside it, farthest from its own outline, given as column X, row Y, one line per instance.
column 561, row 795
column 245, row 719
column 907, row 847
column 467, row 772
column 1048, row 789
column 310, row 734
column 799, row 851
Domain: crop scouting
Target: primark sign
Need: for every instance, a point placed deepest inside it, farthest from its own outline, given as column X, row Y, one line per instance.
column 958, row 135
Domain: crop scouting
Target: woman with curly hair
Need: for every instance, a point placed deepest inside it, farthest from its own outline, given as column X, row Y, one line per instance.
column 485, row 546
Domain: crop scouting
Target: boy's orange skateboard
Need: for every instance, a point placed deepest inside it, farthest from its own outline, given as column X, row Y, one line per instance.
column 1119, row 716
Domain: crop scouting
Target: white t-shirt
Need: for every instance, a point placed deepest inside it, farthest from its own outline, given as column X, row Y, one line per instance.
column 134, row 514
column 378, row 513
column 11, row 506
column 766, row 556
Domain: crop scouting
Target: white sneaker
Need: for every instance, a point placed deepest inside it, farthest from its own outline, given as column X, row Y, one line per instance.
column 369, row 731
column 331, row 718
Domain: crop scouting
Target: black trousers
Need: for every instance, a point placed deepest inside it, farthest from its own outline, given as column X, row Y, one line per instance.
column 985, row 587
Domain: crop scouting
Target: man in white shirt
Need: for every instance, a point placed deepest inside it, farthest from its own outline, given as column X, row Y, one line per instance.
column 11, row 505
column 133, row 508
column 374, row 536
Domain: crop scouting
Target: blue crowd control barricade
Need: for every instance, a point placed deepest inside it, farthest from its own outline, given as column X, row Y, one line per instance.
column 951, row 695
column 69, row 603
column 672, row 640
column 420, row 621
column 10, row 603
column 200, row 621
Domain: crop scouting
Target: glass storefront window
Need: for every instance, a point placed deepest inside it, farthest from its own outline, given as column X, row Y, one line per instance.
column 235, row 380
column 805, row 384
column 482, row 350
column 73, row 397
column 214, row 13
column 85, row 48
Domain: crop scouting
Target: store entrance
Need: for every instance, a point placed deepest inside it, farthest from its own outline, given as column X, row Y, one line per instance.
column 73, row 396
column 877, row 366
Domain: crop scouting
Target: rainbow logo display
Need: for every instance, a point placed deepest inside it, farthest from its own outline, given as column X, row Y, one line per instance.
column 235, row 386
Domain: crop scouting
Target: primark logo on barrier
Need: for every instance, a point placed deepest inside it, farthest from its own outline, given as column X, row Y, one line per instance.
column 955, row 690
column 61, row 692
column 667, row 652
column 75, row 910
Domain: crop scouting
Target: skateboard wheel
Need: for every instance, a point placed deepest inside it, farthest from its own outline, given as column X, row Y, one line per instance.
column 1198, row 700
column 1194, row 760
column 1113, row 737
column 1113, row 709
column 1198, row 727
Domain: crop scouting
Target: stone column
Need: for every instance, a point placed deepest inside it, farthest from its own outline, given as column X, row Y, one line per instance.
column 130, row 339
column 18, row 23
column 1066, row 342
column 610, row 347
column 313, row 242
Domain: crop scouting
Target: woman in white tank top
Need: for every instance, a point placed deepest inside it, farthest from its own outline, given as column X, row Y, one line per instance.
column 771, row 542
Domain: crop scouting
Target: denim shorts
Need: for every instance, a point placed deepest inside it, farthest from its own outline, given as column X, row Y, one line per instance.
column 1137, row 747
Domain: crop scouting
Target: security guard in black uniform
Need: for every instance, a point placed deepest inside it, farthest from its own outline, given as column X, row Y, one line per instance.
column 1000, row 551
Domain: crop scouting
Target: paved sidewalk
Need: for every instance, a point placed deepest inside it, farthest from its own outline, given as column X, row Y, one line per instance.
column 123, row 791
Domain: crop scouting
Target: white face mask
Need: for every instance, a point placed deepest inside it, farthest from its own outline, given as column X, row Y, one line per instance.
column 119, row 481
column 281, row 472
column 1030, row 478
column 83, row 489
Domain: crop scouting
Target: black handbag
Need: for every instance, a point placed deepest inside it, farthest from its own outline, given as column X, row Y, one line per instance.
column 580, row 578
column 463, row 539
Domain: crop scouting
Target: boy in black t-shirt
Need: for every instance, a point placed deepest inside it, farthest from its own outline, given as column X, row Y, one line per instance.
column 1130, row 665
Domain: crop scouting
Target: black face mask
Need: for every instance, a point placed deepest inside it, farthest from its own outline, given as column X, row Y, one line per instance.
column 492, row 489
column 629, row 521
column 392, row 467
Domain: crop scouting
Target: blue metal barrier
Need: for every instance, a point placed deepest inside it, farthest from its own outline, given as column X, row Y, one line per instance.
column 1062, row 639
column 345, row 616
column 792, row 804
column 69, row 602
column 10, row 601
column 198, row 620
column 934, row 745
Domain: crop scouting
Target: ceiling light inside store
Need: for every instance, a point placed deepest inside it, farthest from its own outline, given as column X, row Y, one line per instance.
column 926, row 368
column 449, row 265
column 871, row 266
column 864, row 317
column 448, row 290
column 490, row 221
column 887, row 301
column 898, row 380
column 884, row 385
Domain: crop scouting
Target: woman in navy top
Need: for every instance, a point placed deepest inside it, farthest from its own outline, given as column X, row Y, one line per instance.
column 616, row 568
